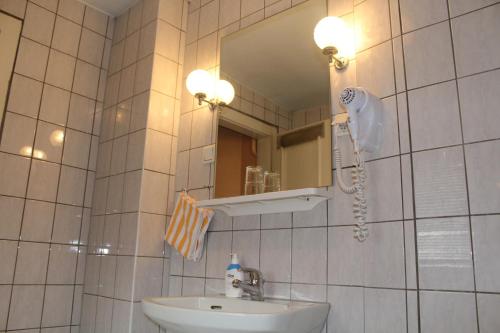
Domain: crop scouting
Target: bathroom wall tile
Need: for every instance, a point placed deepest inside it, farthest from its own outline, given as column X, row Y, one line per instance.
column 167, row 41
column 25, row 299
column 31, row 59
column 24, row 96
column 251, row 6
column 57, row 306
column 119, row 155
column 458, row 7
column 472, row 36
column 344, row 252
column 372, row 23
column 37, row 221
column 340, row 207
column 478, row 94
column 4, row 305
column 76, row 149
column 309, row 255
column 277, row 290
column 71, row 10
column 104, row 315
column 277, row 7
column 157, row 153
column 415, row 15
column 458, row 308
column 214, row 287
column 14, row 7
column 440, row 183
column 132, row 191
column 276, row 255
column 71, row 186
column 87, row 76
column 91, row 47
column 81, row 113
column 276, row 221
column 131, row 49
column 43, row 181
column 397, row 50
column 386, row 187
column 199, row 173
column 62, row 264
column 175, row 286
column 347, row 306
column 124, row 277
column 116, row 57
column 383, row 256
column 248, row 222
column 31, row 265
column 14, row 171
column 193, row 286
column 247, row 245
column 433, row 42
column 207, row 52
column 209, row 15
column 39, row 24
column 439, row 103
column 95, row 20
column 482, row 159
column 8, row 261
column 445, row 254
column 18, row 134
column 229, row 12
column 66, row 36
column 111, row 232
column 485, row 232
column 148, row 277
column 171, row 12
column 55, row 105
column 162, row 78
column 12, row 211
column 314, row 217
column 104, row 159
column 107, row 276
column 185, row 126
column 218, row 250
column 67, row 224
column 151, row 235
column 385, row 310
column 309, row 292
column 115, row 194
column 375, row 70
column 121, row 316
column 49, row 141
column 154, row 192
column 410, row 248
column 60, row 70
column 488, row 318
column 202, row 123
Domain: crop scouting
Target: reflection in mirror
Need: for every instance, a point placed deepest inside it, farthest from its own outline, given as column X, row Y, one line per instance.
column 280, row 117
column 10, row 29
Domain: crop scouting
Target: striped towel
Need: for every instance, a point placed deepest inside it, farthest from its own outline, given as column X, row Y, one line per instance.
column 188, row 226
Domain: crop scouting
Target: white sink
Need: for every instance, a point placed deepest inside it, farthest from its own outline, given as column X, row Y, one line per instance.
column 222, row 314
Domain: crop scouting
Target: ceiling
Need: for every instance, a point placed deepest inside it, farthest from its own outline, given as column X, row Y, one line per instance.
column 110, row 7
column 278, row 58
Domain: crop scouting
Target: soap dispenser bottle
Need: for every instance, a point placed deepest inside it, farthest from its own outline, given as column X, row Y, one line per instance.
column 233, row 272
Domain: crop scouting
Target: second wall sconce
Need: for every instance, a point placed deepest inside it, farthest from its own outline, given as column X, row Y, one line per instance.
column 335, row 39
column 205, row 88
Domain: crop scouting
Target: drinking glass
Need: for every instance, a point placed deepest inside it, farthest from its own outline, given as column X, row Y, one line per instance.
column 271, row 181
column 253, row 180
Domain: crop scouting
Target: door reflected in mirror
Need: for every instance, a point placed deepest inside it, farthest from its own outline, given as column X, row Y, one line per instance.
column 280, row 117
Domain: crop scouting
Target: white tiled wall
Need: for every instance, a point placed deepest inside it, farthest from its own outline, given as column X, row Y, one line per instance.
column 429, row 264
column 127, row 259
column 48, row 149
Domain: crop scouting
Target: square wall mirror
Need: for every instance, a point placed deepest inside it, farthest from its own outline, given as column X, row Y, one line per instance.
column 280, row 118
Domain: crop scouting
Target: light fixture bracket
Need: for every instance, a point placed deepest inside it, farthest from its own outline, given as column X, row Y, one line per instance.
column 333, row 58
column 212, row 104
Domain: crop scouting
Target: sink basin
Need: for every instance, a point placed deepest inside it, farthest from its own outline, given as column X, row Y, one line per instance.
column 222, row 314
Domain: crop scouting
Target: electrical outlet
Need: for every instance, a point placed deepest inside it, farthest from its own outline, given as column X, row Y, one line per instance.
column 342, row 130
column 340, row 122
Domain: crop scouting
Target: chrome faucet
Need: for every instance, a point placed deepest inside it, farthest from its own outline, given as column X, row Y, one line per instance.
column 254, row 287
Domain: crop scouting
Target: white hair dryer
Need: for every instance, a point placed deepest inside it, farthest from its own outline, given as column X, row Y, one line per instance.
column 365, row 122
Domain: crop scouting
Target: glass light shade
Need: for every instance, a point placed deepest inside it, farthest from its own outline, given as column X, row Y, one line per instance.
column 224, row 91
column 332, row 31
column 200, row 81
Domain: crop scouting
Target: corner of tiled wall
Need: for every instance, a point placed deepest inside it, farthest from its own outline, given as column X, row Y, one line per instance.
column 48, row 155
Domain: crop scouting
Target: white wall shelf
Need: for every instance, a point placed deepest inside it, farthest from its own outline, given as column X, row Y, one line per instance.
column 267, row 203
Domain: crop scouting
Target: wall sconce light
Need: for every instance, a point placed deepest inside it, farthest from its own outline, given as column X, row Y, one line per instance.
column 335, row 39
column 206, row 89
